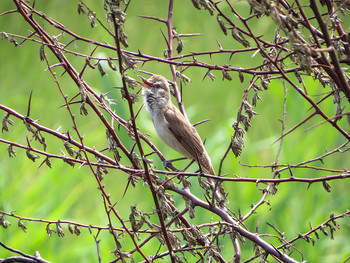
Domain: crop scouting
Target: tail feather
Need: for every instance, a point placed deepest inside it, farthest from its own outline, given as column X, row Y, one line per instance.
column 204, row 163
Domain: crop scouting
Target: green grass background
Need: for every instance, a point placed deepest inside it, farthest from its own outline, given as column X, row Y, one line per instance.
column 68, row 193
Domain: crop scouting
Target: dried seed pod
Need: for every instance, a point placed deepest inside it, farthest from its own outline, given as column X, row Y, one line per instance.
column 203, row 183
column 186, row 183
column 79, row 156
column 112, row 144
column 236, row 146
column 333, row 221
column 326, row 186
column 208, row 6
column 174, row 240
column 26, row 123
column 128, row 61
column 245, row 121
column 183, row 77
column 237, row 35
column 92, row 17
column 241, row 76
column 11, row 151
column 6, row 121
column 160, row 238
column 4, row 223
column 82, row 93
column 70, row 228
column 77, row 230
column 188, row 236
column 196, row 4
column 323, row 230
column 59, row 229
column 189, row 206
column 42, row 53
column 225, row 75
column 49, row 230
column 119, row 15
column 255, row 98
column 99, row 174
column 100, row 69
column 316, row 234
column 83, row 110
column 110, row 64
column 31, row 156
column 222, row 25
column 69, row 148
column 211, row 75
column 68, row 160
column 122, row 37
column 179, row 46
column 132, row 82
column 81, row 9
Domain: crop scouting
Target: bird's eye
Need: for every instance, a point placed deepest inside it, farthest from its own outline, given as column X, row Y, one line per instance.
column 157, row 85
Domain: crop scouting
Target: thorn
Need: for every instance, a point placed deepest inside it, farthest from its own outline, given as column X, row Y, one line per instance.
column 220, row 47
column 29, row 103
column 127, row 185
column 166, row 40
column 200, row 122
column 83, row 164
column 28, row 142
column 308, row 186
column 70, row 103
column 232, row 53
column 132, row 149
column 291, row 173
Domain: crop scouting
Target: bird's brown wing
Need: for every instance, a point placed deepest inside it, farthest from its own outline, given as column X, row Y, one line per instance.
column 188, row 137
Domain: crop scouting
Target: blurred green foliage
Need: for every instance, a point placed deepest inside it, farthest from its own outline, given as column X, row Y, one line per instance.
column 68, row 193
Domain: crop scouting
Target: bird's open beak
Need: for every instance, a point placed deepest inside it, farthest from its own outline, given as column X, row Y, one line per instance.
column 145, row 83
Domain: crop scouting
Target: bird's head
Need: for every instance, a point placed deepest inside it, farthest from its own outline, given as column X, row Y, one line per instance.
column 157, row 86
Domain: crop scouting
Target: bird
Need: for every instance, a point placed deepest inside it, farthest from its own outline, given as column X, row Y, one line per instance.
column 171, row 125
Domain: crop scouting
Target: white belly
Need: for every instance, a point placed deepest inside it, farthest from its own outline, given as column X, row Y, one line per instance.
column 166, row 135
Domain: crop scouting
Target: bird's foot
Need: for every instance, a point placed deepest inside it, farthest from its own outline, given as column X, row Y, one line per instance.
column 168, row 165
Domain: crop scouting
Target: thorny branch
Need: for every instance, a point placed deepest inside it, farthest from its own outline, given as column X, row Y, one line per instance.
column 23, row 258
column 309, row 42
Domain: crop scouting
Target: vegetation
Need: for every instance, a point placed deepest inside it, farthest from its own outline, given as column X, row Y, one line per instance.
column 83, row 175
